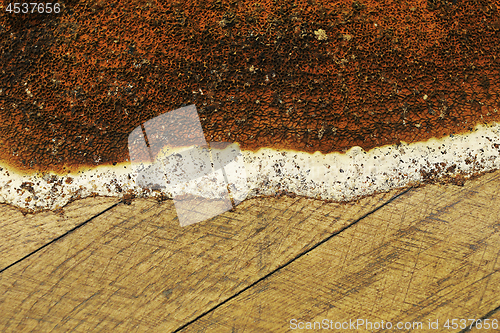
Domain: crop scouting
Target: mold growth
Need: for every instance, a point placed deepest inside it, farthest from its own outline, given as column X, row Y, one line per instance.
column 309, row 77
column 334, row 176
column 333, row 100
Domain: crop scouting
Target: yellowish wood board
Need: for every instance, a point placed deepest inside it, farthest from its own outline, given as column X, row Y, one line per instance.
column 135, row 269
column 489, row 324
column 21, row 234
column 431, row 255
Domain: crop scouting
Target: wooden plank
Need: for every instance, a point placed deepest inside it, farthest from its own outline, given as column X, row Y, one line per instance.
column 432, row 254
column 22, row 234
column 489, row 324
column 135, row 269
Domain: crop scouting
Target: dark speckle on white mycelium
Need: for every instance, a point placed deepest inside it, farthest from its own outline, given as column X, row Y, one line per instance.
column 335, row 176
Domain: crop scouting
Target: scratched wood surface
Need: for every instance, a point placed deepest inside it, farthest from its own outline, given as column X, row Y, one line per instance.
column 134, row 269
column 22, row 234
column 431, row 254
column 490, row 325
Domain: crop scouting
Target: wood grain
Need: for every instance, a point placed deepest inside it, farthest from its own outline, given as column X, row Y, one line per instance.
column 493, row 318
column 22, row 234
column 431, row 254
column 134, row 269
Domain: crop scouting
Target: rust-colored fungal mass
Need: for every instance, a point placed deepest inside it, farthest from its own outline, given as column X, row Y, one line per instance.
column 304, row 75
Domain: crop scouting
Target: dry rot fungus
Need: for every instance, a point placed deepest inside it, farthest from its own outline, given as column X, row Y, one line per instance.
column 302, row 76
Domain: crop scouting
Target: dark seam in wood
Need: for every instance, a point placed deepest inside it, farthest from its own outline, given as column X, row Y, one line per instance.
column 290, row 261
column 59, row 237
column 489, row 314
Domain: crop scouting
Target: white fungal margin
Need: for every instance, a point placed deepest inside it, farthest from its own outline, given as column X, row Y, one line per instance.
column 335, row 176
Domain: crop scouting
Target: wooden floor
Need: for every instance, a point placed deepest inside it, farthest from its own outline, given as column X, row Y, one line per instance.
column 420, row 255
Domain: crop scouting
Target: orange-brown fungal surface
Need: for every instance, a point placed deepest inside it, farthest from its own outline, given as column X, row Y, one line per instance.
column 304, row 75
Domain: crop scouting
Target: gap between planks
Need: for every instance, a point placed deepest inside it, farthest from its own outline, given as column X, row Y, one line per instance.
column 433, row 253
column 22, row 235
column 135, row 268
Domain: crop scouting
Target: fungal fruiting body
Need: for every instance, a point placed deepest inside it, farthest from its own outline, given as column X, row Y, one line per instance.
column 327, row 100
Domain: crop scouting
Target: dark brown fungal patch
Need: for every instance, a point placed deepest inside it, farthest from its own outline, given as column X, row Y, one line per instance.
column 74, row 85
column 28, row 186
